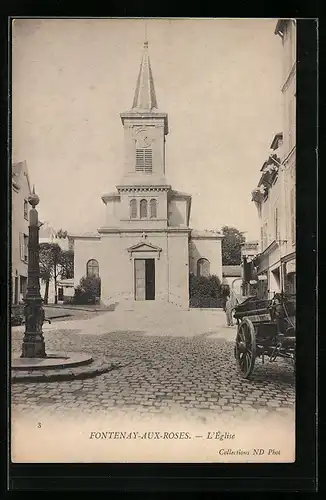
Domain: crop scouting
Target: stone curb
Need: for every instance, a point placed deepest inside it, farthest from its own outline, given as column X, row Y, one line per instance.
column 65, row 374
column 68, row 315
column 77, row 308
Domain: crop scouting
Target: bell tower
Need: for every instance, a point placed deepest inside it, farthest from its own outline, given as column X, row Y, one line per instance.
column 145, row 129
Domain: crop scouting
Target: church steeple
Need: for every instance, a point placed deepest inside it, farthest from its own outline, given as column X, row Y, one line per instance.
column 145, row 97
column 145, row 128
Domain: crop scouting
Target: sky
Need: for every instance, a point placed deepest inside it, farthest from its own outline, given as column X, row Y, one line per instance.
column 219, row 80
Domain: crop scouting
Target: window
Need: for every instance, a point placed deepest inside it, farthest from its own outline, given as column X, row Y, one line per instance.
column 92, row 269
column 26, row 209
column 153, row 209
column 133, row 209
column 21, row 245
column 23, row 242
column 203, row 267
column 292, row 215
column 144, row 160
column 143, row 209
column 25, row 248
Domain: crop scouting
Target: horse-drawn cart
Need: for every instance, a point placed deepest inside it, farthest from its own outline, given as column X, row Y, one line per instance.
column 265, row 328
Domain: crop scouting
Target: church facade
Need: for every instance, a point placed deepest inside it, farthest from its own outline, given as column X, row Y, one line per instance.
column 146, row 249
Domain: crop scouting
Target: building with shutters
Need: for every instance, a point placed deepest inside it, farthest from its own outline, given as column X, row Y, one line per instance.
column 146, row 249
column 21, row 189
column 275, row 194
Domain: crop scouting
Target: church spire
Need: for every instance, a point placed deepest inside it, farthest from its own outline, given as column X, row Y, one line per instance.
column 145, row 98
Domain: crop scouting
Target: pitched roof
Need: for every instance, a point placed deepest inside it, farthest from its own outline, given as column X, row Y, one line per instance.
column 145, row 97
column 195, row 233
column 73, row 236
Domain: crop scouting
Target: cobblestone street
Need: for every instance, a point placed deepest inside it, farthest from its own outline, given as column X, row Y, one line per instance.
column 159, row 373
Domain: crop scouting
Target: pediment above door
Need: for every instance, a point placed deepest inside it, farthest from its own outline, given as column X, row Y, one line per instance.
column 143, row 248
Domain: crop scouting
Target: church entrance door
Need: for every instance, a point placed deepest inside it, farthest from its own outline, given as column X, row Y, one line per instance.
column 144, row 279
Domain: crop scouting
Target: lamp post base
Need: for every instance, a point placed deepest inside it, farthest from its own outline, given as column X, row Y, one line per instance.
column 33, row 348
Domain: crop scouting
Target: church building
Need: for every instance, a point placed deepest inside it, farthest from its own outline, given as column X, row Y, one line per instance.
column 146, row 249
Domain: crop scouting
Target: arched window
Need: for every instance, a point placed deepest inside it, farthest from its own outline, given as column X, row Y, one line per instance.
column 203, row 267
column 133, row 209
column 153, row 209
column 143, row 209
column 92, row 269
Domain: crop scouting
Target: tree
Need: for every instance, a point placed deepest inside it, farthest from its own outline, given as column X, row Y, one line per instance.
column 49, row 260
column 88, row 291
column 55, row 263
column 204, row 291
column 231, row 246
column 61, row 234
column 67, row 264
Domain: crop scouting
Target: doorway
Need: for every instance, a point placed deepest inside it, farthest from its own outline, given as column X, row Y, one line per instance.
column 144, row 279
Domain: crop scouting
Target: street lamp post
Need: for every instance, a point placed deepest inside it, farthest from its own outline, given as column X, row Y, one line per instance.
column 33, row 342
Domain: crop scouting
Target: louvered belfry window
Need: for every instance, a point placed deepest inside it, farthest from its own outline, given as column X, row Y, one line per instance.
column 144, row 160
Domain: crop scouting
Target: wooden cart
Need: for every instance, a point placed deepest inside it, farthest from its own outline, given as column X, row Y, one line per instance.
column 265, row 328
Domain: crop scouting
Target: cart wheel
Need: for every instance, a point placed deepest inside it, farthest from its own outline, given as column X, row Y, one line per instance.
column 245, row 348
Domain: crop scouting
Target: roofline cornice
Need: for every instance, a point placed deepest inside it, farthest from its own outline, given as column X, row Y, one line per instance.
column 142, row 187
column 172, row 230
column 133, row 115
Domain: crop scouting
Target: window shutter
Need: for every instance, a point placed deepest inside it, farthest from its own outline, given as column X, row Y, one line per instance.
column 21, row 244
column 148, row 160
column 144, row 160
column 25, row 248
column 25, row 209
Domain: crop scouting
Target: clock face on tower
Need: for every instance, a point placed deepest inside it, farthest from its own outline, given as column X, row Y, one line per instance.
column 143, row 139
